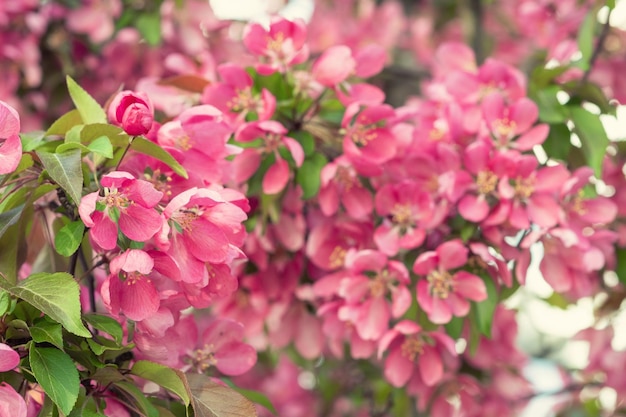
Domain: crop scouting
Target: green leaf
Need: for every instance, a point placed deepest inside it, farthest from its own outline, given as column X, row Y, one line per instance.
column 454, row 327
column 308, row 175
column 56, row 295
column 585, row 37
column 68, row 239
column 5, row 302
column 92, row 132
column 620, row 268
column 102, row 146
column 143, row 145
column 305, row 139
column 65, row 123
column 149, row 25
column 31, row 140
column 257, row 398
column 485, row 309
column 557, row 145
column 550, row 109
column 106, row 324
column 88, row 108
column 56, row 373
column 210, row 399
column 168, row 378
column 9, row 218
column 65, row 169
column 47, row 331
column 592, row 135
column 134, row 394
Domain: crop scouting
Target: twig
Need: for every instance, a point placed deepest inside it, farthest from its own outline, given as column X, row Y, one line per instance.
column 599, row 47
column 476, row 8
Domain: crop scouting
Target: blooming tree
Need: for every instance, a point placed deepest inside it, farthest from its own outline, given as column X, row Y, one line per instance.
column 235, row 219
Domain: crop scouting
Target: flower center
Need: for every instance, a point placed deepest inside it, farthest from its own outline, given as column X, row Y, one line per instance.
column 362, row 135
column 524, row 187
column 133, row 277
column 504, row 128
column 402, row 215
column 204, row 358
column 577, row 204
column 345, row 178
column 440, row 283
column 337, row 257
column 412, row 347
column 115, row 199
column 186, row 217
column 378, row 285
column 275, row 44
column 184, row 143
column 486, row 182
column 243, row 100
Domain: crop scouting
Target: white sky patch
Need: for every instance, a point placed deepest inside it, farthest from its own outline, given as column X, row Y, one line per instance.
column 259, row 10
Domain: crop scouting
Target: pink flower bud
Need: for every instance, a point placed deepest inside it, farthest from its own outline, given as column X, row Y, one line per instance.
column 133, row 111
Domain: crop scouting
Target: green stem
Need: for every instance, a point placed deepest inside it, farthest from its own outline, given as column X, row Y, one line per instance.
column 130, row 142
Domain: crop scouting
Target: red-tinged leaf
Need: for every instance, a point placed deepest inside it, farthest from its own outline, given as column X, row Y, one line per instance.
column 210, row 399
column 191, row 83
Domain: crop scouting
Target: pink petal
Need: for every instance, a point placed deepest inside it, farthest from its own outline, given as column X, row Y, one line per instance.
column 309, row 339
column 535, row 136
column 398, row 368
column 473, row 207
column 245, row 164
column 222, row 332
column 452, row 254
column 295, row 149
column 544, row 210
column 139, row 223
column 470, row 286
column 276, row 177
column 235, row 358
column 9, row 121
column 426, row 262
column 524, row 113
column 9, row 359
column 11, row 403
column 139, row 298
column 104, row 231
column 206, row 241
column 10, row 154
column 556, row 273
column 375, row 320
column 333, row 66
column 370, row 60
column 430, row 366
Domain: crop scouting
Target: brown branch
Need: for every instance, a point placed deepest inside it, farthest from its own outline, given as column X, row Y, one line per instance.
column 598, row 49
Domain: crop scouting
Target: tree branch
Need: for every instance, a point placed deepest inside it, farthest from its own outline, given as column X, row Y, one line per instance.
column 599, row 47
column 477, row 10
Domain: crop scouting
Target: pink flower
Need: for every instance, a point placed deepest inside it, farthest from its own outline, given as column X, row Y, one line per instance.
column 364, row 287
column 407, row 213
column 341, row 184
column 413, row 350
column 282, row 45
column 135, row 296
column 273, row 138
column 368, row 141
column 221, row 346
column 127, row 202
column 133, row 111
column 234, row 95
column 10, row 143
column 199, row 136
column 334, row 66
column 11, row 403
column 508, row 122
column 9, row 358
column 529, row 194
column 445, row 293
column 205, row 227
